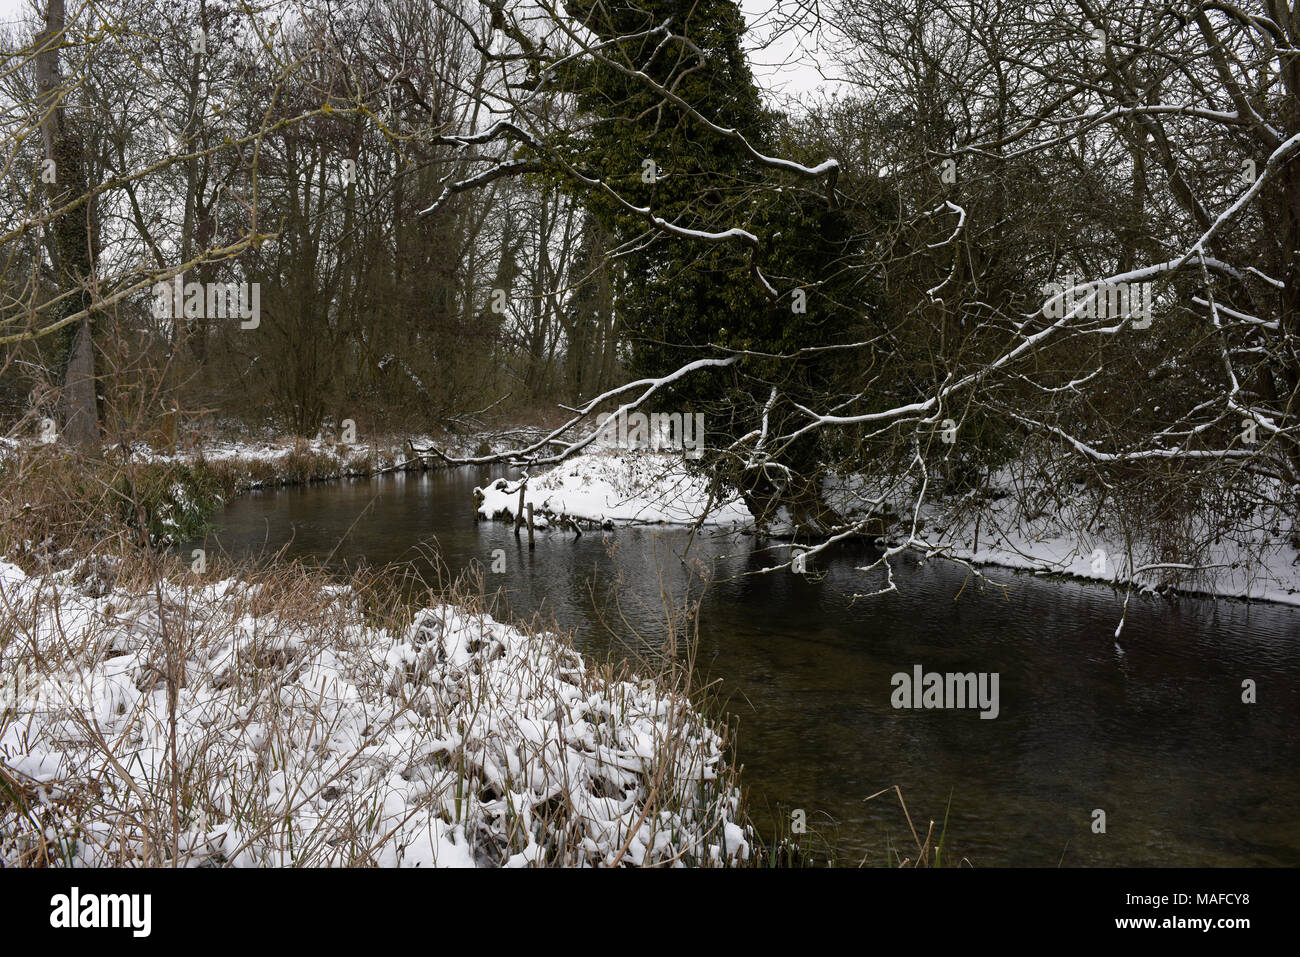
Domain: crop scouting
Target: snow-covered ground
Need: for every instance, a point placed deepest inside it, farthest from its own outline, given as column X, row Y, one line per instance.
column 1259, row 564
column 624, row 487
column 387, row 451
column 236, row 444
column 1020, row 525
column 320, row 739
column 618, row 487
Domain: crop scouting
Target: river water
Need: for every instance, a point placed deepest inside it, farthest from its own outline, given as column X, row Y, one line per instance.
column 1152, row 730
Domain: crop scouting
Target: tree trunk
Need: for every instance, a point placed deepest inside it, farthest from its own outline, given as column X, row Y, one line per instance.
column 80, row 414
column 73, row 235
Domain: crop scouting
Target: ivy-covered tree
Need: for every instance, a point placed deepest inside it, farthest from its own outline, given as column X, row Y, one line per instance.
column 667, row 88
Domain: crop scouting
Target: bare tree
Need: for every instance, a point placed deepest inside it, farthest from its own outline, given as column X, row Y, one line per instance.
column 73, row 232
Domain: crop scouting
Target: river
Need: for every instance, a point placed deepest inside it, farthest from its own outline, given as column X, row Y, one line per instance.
column 1151, row 729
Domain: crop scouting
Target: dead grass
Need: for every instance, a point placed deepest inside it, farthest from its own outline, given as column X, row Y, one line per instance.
column 212, row 726
column 153, row 715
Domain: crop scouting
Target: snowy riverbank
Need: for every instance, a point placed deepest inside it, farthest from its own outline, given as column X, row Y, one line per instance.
column 1259, row 564
column 618, row 487
column 271, row 461
column 256, row 459
column 274, row 724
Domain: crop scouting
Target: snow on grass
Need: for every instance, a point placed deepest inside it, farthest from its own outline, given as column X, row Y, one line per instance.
column 1014, row 525
column 271, row 451
column 1257, row 564
column 307, row 735
column 1065, row 535
column 387, row 450
column 265, row 452
column 619, row 488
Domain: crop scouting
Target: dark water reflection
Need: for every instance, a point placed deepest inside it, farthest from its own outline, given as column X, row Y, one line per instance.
column 1153, row 732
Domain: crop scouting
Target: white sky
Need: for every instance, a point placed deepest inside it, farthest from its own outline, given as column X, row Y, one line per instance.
column 9, row 9
column 784, row 68
column 788, row 64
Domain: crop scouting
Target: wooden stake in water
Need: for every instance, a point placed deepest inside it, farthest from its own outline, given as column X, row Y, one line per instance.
column 519, row 510
column 530, row 526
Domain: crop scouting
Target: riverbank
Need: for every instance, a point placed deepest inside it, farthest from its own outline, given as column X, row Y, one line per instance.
column 1255, row 565
column 66, row 502
column 1006, row 525
column 1071, row 535
column 243, row 463
column 153, row 718
column 611, row 487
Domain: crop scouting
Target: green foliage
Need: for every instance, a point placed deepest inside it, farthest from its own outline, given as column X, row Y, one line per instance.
column 677, row 296
column 673, row 293
column 170, row 503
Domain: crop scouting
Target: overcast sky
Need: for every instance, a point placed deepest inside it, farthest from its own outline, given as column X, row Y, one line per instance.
column 788, row 64
column 784, row 67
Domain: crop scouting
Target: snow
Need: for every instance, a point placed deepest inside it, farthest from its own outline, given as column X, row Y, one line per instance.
column 614, row 486
column 620, row 487
column 275, row 450
column 1250, row 565
column 1068, row 535
column 325, row 740
column 241, row 446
